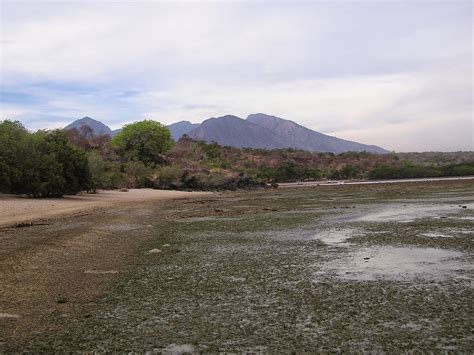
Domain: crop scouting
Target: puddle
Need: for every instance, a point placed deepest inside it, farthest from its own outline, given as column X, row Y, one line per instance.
column 393, row 263
column 408, row 213
column 468, row 218
column 334, row 236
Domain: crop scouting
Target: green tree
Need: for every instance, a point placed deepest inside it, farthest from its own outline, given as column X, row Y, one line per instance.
column 13, row 151
column 42, row 164
column 145, row 141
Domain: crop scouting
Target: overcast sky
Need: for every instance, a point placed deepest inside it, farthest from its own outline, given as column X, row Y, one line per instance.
column 397, row 74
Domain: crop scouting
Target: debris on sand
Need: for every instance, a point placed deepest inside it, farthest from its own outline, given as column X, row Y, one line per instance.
column 29, row 224
column 154, row 251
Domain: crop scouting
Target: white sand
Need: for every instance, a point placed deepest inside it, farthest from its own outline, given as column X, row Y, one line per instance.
column 14, row 209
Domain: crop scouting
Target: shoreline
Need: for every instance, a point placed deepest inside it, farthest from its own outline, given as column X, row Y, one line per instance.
column 16, row 210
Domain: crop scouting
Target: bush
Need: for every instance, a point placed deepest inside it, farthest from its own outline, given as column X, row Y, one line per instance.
column 169, row 177
column 417, row 171
column 347, row 172
column 138, row 174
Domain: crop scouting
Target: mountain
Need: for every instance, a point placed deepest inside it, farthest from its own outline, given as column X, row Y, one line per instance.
column 257, row 131
column 98, row 128
column 270, row 132
column 236, row 132
column 182, row 127
column 296, row 136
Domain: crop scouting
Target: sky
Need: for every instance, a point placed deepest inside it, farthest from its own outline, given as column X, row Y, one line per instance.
column 397, row 74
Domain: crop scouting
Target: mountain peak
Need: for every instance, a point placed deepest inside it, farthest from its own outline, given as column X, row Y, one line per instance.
column 271, row 122
column 224, row 118
column 236, row 132
column 182, row 127
column 98, row 128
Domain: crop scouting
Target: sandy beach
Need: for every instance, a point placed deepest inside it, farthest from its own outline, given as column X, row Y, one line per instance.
column 15, row 209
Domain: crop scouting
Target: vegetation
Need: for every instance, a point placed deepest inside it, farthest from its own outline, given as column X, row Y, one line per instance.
column 53, row 163
column 145, row 141
column 41, row 164
column 408, row 170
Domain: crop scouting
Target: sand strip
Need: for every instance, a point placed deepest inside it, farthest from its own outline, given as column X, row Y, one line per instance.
column 15, row 209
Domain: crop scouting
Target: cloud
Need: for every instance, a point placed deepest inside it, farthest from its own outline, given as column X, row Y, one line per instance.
column 355, row 69
column 442, row 133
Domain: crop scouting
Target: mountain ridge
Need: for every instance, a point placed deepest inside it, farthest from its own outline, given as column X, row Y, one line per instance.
column 258, row 130
column 300, row 137
column 234, row 131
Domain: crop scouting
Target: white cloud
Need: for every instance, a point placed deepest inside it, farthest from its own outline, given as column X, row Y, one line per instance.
column 437, row 133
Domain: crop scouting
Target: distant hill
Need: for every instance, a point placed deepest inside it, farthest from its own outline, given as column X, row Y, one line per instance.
column 296, row 136
column 236, row 132
column 270, row 132
column 182, row 127
column 98, row 128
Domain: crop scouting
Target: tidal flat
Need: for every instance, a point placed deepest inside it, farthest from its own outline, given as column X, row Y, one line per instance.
column 322, row 268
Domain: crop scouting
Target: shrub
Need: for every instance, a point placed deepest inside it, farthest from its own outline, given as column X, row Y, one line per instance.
column 169, row 177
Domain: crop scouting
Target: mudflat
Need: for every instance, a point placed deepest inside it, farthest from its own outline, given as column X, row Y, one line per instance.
column 336, row 268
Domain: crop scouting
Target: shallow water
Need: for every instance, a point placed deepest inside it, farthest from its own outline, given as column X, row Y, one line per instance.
column 369, row 264
column 334, row 236
column 410, row 212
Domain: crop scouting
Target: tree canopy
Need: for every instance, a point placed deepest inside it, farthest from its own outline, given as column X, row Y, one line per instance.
column 41, row 164
column 145, row 141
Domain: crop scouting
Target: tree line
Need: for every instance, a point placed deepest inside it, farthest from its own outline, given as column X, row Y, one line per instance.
column 56, row 163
